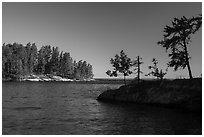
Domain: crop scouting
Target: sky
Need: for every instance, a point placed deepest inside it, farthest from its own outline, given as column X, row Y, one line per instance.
column 95, row 32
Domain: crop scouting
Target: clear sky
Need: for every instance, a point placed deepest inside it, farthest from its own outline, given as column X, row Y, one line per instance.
column 95, row 32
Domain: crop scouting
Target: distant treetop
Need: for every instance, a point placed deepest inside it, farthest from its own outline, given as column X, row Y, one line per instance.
column 19, row 60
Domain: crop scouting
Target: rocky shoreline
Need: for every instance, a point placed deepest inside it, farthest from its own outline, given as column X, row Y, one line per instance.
column 185, row 94
column 48, row 77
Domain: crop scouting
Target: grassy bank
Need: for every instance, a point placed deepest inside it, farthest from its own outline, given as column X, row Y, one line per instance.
column 186, row 94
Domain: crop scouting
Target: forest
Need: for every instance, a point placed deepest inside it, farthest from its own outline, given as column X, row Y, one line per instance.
column 20, row 61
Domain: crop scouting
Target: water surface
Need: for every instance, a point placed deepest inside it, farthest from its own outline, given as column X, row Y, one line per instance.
column 69, row 108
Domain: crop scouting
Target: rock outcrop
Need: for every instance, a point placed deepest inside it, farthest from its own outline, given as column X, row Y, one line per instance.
column 185, row 94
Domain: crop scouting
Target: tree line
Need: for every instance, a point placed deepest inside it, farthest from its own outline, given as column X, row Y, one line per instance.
column 175, row 39
column 19, row 60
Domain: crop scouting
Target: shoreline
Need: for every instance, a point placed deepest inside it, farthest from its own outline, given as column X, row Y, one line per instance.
column 184, row 94
column 90, row 81
column 42, row 78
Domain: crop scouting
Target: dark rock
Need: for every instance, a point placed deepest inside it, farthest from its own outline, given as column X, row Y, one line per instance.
column 186, row 94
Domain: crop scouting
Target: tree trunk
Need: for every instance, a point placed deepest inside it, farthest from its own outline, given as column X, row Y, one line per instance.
column 138, row 73
column 124, row 79
column 189, row 69
column 187, row 61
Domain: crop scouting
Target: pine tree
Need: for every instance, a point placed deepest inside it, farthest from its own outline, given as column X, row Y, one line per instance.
column 67, row 68
column 136, row 63
column 19, row 60
column 176, row 39
column 33, row 58
column 54, row 61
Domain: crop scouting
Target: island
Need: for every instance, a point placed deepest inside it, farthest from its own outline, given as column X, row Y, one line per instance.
column 28, row 63
column 179, row 93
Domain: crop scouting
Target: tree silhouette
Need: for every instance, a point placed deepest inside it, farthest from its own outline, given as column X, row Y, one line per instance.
column 176, row 39
column 121, row 64
column 155, row 70
column 137, row 64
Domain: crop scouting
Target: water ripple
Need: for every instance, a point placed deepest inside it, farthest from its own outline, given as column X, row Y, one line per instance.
column 27, row 108
column 65, row 108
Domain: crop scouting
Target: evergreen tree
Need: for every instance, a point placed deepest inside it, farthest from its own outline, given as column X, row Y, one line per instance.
column 83, row 70
column 76, row 74
column 176, row 39
column 33, row 58
column 89, row 72
column 136, row 63
column 47, row 51
column 6, row 60
column 41, row 60
column 19, row 60
column 27, row 63
column 54, row 61
column 67, row 68
column 60, row 72
column 79, row 70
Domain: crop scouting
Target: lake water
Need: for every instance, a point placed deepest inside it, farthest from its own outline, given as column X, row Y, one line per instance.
column 69, row 108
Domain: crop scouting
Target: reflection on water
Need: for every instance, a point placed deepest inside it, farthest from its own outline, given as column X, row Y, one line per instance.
column 65, row 108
